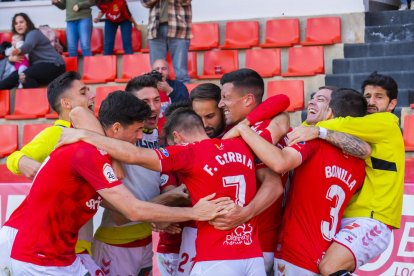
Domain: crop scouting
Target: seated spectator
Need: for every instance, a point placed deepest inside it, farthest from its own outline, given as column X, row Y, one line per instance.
column 116, row 14
column 20, row 66
column 6, row 68
column 45, row 63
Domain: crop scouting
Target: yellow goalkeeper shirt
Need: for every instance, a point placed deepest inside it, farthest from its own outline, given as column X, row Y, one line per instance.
column 381, row 195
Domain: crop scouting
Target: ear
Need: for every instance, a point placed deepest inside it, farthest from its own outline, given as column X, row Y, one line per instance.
column 329, row 114
column 178, row 139
column 65, row 103
column 392, row 105
column 249, row 100
column 116, row 127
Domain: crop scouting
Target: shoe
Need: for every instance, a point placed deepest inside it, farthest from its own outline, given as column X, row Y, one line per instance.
column 403, row 7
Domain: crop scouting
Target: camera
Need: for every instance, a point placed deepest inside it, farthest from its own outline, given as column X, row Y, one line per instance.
column 156, row 75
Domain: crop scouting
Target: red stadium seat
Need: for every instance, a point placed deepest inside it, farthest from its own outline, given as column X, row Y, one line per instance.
column 411, row 105
column 282, row 33
column 31, row 130
column 219, row 62
column 102, row 92
column 241, row 35
column 205, row 36
column 409, row 170
column 191, row 86
column 71, row 63
column 99, row 69
column 408, row 132
column 52, row 115
column 4, row 103
column 30, row 104
column 96, row 42
column 136, row 42
column 322, row 31
column 61, row 34
column 8, row 139
column 134, row 65
column 291, row 88
column 7, row 176
column 305, row 61
column 266, row 62
column 192, row 65
column 145, row 50
column 7, row 36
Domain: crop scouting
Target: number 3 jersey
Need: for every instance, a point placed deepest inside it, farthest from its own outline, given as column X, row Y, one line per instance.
column 224, row 167
column 320, row 190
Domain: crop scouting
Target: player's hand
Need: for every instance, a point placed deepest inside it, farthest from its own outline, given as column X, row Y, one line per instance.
column 170, row 228
column 118, row 169
column 75, row 8
column 208, row 208
column 237, row 216
column 136, row 26
column 235, row 131
column 70, row 136
column 164, row 86
column 178, row 193
column 55, row 1
column 96, row 20
column 28, row 167
column 302, row 133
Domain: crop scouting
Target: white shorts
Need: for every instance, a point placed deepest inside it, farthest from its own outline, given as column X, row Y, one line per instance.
column 90, row 265
column 167, row 263
column 7, row 236
column 23, row 269
column 245, row 267
column 269, row 258
column 187, row 251
column 283, row 268
column 366, row 238
column 115, row 260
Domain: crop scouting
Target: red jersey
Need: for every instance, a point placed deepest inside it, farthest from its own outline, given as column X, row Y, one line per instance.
column 224, row 167
column 320, row 190
column 115, row 11
column 62, row 199
column 165, row 102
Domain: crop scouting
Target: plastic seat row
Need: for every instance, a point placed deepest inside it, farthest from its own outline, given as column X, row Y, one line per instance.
column 408, row 132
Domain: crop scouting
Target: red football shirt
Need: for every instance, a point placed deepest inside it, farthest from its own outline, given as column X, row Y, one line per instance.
column 224, row 167
column 320, row 190
column 62, row 199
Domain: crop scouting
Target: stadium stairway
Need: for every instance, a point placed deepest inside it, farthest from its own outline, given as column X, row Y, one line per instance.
column 388, row 49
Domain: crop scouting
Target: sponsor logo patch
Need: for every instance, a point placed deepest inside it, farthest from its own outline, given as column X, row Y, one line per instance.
column 109, row 173
column 164, row 152
column 164, row 179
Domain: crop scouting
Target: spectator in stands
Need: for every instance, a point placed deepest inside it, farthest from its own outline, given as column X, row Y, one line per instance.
column 78, row 24
column 169, row 28
column 45, row 63
column 404, row 5
column 20, row 66
column 6, row 68
column 204, row 101
column 116, row 14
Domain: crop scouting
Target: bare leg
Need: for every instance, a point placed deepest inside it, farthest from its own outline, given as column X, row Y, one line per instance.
column 337, row 257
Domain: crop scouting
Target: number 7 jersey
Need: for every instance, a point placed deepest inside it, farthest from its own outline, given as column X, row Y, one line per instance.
column 321, row 188
column 224, row 167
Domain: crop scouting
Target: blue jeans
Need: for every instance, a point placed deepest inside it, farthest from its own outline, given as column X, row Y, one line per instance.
column 76, row 30
column 178, row 49
column 110, row 32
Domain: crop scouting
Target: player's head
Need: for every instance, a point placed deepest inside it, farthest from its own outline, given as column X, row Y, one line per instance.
column 348, row 102
column 204, row 101
column 68, row 91
column 145, row 88
column 381, row 92
column 183, row 125
column 122, row 116
column 318, row 105
column 242, row 91
column 161, row 66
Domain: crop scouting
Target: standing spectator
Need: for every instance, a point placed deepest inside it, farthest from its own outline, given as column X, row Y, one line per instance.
column 45, row 63
column 169, row 28
column 404, row 5
column 117, row 14
column 78, row 25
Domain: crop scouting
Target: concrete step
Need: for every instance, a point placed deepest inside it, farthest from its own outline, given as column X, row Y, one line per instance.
column 389, row 33
column 389, row 17
column 378, row 49
column 404, row 79
column 370, row 64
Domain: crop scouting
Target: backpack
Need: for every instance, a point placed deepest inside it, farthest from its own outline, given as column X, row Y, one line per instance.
column 53, row 38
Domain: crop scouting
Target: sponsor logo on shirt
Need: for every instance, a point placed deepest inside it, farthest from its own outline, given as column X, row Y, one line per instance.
column 164, row 152
column 109, row 173
column 241, row 235
column 221, row 147
column 93, row 204
column 164, row 179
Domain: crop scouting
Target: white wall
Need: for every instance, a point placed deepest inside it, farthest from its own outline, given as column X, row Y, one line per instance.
column 42, row 12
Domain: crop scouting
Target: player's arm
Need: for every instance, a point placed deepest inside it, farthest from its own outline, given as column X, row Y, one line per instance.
column 136, row 210
column 174, row 196
column 348, row 143
column 83, row 118
column 279, row 126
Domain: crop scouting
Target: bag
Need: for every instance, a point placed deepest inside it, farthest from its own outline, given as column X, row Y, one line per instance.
column 53, row 38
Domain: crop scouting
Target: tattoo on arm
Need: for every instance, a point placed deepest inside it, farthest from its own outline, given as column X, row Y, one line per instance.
column 348, row 143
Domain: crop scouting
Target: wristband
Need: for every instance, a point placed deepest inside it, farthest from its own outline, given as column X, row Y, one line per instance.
column 323, row 132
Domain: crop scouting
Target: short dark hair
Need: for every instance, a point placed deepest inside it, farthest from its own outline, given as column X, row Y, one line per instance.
column 206, row 91
column 175, row 105
column 182, row 119
column 123, row 108
column 329, row 87
column 140, row 82
column 58, row 86
column 348, row 102
column 246, row 78
column 29, row 22
column 386, row 82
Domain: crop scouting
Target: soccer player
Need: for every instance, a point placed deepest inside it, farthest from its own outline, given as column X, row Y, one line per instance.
column 204, row 165
column 72, row 183
column 324, row 181
column 376, row 209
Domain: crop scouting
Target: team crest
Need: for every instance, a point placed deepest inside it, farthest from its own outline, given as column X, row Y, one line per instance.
column 109, row 173
column 164, row 179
